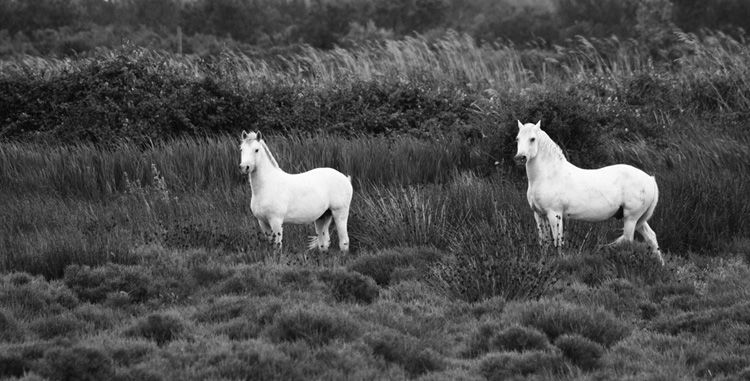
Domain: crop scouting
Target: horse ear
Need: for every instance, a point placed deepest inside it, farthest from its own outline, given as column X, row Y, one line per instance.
column 244, row 134
column 258, row 137
column 520, row 125
column 539, row 124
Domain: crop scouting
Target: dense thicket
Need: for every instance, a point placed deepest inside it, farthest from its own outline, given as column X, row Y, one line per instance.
column 64, row 26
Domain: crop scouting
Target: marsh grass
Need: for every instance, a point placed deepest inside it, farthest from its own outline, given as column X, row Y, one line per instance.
column 141, row 260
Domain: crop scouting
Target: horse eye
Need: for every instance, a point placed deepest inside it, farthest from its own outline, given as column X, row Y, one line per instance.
column 532, row 139
column 257, row 149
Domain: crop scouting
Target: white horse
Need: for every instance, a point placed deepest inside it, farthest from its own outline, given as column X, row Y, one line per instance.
column 559, row 190
column 318, row 195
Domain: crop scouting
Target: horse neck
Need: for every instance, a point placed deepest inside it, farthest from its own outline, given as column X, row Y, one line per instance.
column 544, row 165
column 264, row 171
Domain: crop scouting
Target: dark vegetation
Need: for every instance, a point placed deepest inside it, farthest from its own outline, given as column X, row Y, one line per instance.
column 53, row 27
column 129, row 251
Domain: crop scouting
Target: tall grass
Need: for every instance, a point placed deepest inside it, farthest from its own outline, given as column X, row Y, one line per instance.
column 89, row 205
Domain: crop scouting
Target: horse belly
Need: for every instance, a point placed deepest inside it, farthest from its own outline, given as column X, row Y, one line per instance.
column 593, row 207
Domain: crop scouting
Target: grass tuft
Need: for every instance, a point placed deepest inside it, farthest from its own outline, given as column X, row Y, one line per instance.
column 159, row 327
column 581, row 351
column 405, row 351
column 556, row 318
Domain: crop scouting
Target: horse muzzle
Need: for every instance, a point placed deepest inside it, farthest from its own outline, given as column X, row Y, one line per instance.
column 520, row 159
column 244, row 169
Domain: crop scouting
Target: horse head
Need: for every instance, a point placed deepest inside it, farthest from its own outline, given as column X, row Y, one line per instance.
column 251, row 149
column 527, row 141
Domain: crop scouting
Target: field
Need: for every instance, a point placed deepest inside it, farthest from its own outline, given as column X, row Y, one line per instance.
column 129, row 250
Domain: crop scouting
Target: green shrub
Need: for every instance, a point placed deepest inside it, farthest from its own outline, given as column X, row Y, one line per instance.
column 98, row 317
column 580, row 350
column 661, row 290
column 76, row 363
column 517, row 338
column 223, row 309
column 590, row 268
column 501, row 366
column 94, row 284
column 634, row 262
column 210, row 273
column 317, row 326
column 13, row 365
column 479, row 341
column 130, row 352
column 239, row 329
column 702, row 320
column 648, row 310
column 36, row 297
column 137, row 374
column 727, row 364
column 251, row 281
column 161, row 328
column 406, row 351
column 250, row 360
column 556, row 318
column 10, row 331
column 381, row 266
column 349, row 286
column 490, row 261
column 54, row 326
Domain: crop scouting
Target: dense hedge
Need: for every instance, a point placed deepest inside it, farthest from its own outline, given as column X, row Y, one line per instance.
column 64, row 26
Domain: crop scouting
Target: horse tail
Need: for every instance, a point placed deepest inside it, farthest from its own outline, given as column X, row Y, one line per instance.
column 650, row 211
column 313, row 242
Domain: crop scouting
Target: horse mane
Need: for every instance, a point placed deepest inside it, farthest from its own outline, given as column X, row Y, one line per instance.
column 268, row 152
column 548, row 145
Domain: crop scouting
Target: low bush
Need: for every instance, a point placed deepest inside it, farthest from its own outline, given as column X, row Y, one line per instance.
column 702, row 320
column 382, row 266
column 223, row 309
column 556, row 318
column 96, row 316
column 347, row 286
column 54, row 326
column 479, row 341
column 501, row 366
column 315, row 325
column 660, row 291
column 159, row 327
column 718, row 364
column 517, row 338
column 10, row 330
column 580, row 351
column 13, row 365
column 94, row 284
column 635, row 262
column 37, row 297
column 138, row 374
column 250, row 360
column 76, row 363
column 239, row 329
column 491, row 261
column 129, row 352
column 405, row 351
column 251, row 280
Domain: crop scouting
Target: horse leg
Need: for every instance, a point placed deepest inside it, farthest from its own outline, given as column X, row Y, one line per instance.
column 556, row 228
column 277, row 232
column 628, row 230
column 542, row 228
column 340, row 217
column 323, row 240
column 266, row 229
column 650, row 236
